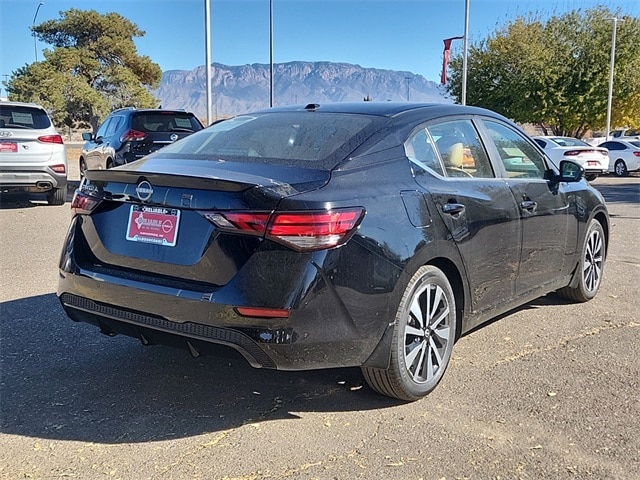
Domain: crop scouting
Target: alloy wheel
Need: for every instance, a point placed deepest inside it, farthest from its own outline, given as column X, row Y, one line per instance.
column 593, row 261
column 427, row 333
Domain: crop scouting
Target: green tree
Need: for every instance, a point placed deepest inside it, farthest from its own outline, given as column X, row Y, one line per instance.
column 555, row 73
column 92, row 68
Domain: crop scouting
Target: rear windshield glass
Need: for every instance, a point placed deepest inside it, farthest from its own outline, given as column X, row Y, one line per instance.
column 165, row 122
column 635, row 144
column 314, row 139
column 15, row 116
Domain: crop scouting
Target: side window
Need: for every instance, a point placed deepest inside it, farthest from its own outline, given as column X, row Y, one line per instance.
column 419, row 149
column 519, row 157
column 461, row 150
column 103, row 128
column 113, row 126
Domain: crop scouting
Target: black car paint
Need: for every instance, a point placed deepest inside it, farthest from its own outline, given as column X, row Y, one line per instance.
column 341, row 301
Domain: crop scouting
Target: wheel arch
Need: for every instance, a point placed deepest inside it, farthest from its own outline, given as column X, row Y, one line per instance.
column 381, row 354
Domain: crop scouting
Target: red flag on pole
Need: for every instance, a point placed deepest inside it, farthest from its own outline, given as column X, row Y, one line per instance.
column 445, row 58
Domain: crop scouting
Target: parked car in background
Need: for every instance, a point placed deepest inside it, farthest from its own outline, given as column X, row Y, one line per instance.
column 625, row 134
column 594, row 160
column 624, row 156
column 33, row 158
column 129, row 134
column 365, row 234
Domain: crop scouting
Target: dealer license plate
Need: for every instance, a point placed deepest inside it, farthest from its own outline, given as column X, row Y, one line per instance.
column 156, row 225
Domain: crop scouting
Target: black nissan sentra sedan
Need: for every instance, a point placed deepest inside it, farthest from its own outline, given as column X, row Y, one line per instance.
column 317, row 236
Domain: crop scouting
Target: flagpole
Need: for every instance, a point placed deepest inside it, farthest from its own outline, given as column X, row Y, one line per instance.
column 464, row 55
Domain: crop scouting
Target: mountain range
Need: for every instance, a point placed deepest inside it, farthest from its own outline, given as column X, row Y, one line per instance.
column 239, row 89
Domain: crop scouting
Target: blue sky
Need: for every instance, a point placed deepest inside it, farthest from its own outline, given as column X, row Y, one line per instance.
column 404, row 35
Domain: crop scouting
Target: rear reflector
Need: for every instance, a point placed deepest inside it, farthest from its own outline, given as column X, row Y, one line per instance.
column 302, row 231
column 263, row 312
column 51, row 139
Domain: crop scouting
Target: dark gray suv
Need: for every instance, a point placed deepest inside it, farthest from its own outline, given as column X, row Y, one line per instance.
column 129, row 134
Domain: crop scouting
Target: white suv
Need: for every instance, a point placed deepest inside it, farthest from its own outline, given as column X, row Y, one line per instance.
column 33, row 157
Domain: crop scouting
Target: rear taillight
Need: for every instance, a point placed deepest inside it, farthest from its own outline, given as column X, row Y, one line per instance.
column 82, row 203
column 132, row 135
column 51, row 139
column 302, row 231
column 60, row 168
column 637, row 154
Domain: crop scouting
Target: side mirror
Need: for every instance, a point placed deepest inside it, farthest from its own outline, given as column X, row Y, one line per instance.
column 87, row 136
column 570, row 171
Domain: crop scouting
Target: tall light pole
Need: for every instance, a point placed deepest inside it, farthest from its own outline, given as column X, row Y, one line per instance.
column 271, row 53
column 207, row 34
column 33, row 24
column 464, row 54
column 612, row 64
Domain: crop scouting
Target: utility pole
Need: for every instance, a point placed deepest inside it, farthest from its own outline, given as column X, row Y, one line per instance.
column 407, row 79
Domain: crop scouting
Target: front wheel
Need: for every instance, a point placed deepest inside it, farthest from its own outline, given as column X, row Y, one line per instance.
column 620, row 168
column 591, row 266
column 423, row 338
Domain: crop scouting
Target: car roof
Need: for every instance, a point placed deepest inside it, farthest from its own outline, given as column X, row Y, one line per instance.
column 387, row 109
column 21, row 104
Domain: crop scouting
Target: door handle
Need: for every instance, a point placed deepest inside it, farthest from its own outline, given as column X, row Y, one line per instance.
column 529, row 205
column 453, row 208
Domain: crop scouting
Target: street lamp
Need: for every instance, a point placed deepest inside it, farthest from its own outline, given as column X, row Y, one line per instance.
column 271, row 53
column 465, row 52
column 613, row 61
column 33, row 24
column 207, row 35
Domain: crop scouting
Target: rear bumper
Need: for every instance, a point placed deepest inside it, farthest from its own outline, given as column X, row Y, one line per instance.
column 320, row 331
column 34, row 179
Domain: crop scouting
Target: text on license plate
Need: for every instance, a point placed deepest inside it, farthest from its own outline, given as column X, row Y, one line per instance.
column 157, row 225
column 8, row 147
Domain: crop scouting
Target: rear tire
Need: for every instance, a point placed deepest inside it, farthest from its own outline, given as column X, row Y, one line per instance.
column 591, row 266
column 620, row 168
column 423, row 338
column 57, row 196
column 591, row 177
column 83, row 167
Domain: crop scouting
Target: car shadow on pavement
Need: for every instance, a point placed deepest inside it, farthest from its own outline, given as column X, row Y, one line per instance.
column 66, row 381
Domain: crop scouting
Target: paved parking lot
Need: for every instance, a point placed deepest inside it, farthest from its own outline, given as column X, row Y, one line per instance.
column 549, row 391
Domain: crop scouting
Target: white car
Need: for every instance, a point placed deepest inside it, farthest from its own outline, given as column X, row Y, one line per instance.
column 594, row 160
column 624, row 155
column 33, row 157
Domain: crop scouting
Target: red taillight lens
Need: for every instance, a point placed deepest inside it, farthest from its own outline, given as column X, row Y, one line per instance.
column 313, row 230
column 132, row 135
column 302, row 231
column 573, row 153
column 51, row 139
column 637, row 154
column 83, row 203
column 58, row 168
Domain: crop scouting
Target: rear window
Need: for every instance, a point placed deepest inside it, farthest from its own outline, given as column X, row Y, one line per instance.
column 570, row 142
column 165, row 122
column 315, row 139
column 18, row 116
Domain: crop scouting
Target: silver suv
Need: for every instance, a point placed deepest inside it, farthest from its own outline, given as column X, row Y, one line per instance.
column 33, row 157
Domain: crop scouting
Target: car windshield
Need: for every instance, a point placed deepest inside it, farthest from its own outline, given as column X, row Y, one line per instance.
column 314, row 139
column 569, row 142
column 19, row 116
